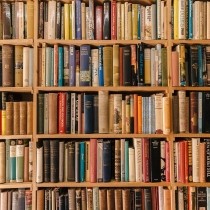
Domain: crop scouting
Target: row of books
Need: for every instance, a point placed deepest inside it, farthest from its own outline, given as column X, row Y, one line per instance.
column 16, row 118
column 191, row 160
column 190, row 19
column 20, row 198
column 105, row 198
column 68, row 112
column 16, row 66
column 17, row 20
column 100, row 160
column 191, row 112
column 16, row 154
column 192, row 198
column 128, row 65
column 112, row 20
column 190, row 65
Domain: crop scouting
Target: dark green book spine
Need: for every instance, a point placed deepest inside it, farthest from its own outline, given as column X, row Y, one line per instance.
column 40, row 120
column 46, row 148
column 54, row 160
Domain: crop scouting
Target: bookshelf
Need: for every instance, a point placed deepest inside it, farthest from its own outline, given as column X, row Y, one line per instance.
column 171, row 187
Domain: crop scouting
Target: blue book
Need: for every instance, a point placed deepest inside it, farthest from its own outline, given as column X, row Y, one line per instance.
column 140, row 70
column 107, row 161
column 12, row 160
column 78, row 19
column 60, row 67
column 139, row 21
column 88, row 114
column 72, row 65
column 126, row 161
column 82, row 161
column 200, row 65
column 190, row 19
column 85, row 65
column 100, row 66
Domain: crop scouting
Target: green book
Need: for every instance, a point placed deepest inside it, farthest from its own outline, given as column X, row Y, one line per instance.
column 12, row 157
column 19, row 160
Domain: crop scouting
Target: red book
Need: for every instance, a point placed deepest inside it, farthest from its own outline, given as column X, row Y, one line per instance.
column 99, row 22
column 181, row 162
column 113, row 20
column 93, row 160
column 61, row 112
column 167, row 161
column 145, row 160
column 175, row 68
column 186, row 161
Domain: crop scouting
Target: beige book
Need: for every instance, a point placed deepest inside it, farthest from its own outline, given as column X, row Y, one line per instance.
column 89, row 198
column 117, row 113
column 134, row 21
column 111, row 113
column 53, row 108
column 94, row 65
column 51, row 19
column 116, row 66
column 123, row 116
column 132, row 170
column 108, row 65
column 202, row 161
column 196, row 159
column 4, row 200
column 29, row 117
column 122, row 21
column 118, row 199
column 83, row 20
column 129, row 37
column 159, row 113
column 30, row 19
column 137, row 142
column 103, row 109
column 23, row 117
column 126, row 199
column 148, row 23
column 9, row 118
column 166, row 115
column 18, row 66
column 147, row 66
column 118, row 20
column 126, row 20
column 182, row 111
column 208, row 20
column 40, row 199
column 2, row 162
column 26, row 66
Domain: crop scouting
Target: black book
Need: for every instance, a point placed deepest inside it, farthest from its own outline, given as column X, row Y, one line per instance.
column 66, row 202
column 95, row 113
column 88, row 113
column 47, row 198
column 138, row 199
column 40, row 115
column 201, row 196
column 205, row 112
column 207, row 159
column 54, row 160
column 58, row 21
column 155, row 160
column 140, row 69
column 62, row 201
column 68, row 112
column 107, row 161
column 147, row 198
column 107, row 21
column 127, row 71
column 46, row 151
column 71, row 161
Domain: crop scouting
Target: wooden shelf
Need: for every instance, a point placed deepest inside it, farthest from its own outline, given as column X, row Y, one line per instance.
column 190, row 88
column 192, row 41
column 16, row 185
column 15, row 136
column 25, row 42
column 17, row 89
column 191, row 135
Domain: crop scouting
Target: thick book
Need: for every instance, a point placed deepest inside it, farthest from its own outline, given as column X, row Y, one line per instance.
column 108, row 65
column 194, row 112
column 107, row 21
column 88, row 114
column 205, row 112
column 201, row 197
column 46, row 160
column 127, row 73
column 71, row 162
column 6, row 20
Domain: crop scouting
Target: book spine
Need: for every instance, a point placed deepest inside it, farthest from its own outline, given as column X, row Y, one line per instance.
column 82, row 161
column 91, row 20
column 39, row 162
column 60, row 66
column 106, row 21
column 93, row 160
column 106, row 161
column 72, row 65
column 46, row 160
column 78, row 19
column 19, row 160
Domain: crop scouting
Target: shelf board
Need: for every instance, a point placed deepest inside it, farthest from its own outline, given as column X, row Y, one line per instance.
column 191, row 135
column 203, row 88
column 15, row 136
column 192, row 184
column 103, row 184
column 100, row 42
column 192, row 41
column 16, row 185
column 17, row 89
column 111, row 88
column 93, row 135
column 26, row 42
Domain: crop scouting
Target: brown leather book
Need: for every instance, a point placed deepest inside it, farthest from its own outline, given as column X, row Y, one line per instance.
column 29, row 117
column 110, row 199
column 40, row 199
column 23, row 117
column 103, row 199
column 7, row 66
column 126, row 199
column 18, row 66
column 118, row 199
column 9, row 118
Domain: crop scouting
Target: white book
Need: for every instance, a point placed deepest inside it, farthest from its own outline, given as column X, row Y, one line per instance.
column 73, row 20
column 201, row 18
column 182, row 19
column 3, row 203
column 148, row 23
column 166, row 115
column 132, row 170
column 39, row 163
column 94, row 65
column 196, row 20
column 182, row 111
column 96, row 198
column 51, row 19
column 138, row 158
column 159, row 113
column 26, row 66
column 122, row 158
column 31, row 67
column 195, row 159
column 158, row 3
column 100, row 160
column 208, row 197
column 180, row 198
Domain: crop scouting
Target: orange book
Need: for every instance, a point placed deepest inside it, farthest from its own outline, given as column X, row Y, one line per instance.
column 93, row 160
column 113, row 20
column 167, row 199
column 135, row 113
column 61, row 113
column 139, row 105
column 175, row 68
column 202, row 153
column 181, row 162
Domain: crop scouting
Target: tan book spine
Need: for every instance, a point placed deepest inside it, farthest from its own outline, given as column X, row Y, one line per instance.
column 139, row 114
column 126, row 199
column 9, row 118
column 127, row 114
column 7, row 66
column 117, row 113
column 182, row 111
column 18, row 66
column 20, row 15
column 166, row 115
column 110, row 199
column 123, row 116
column 53, row 108
column 23, row 117
column 30, row 159
column 208, row 20
column 118, row 199
column 29, row 117
column 89, row 199
column 83, row 20
column 87, row 161
column 147, row 61
column 103, row 199
column 122, row 21
column 116, row 65
column 2, row 162
column 159, row 113
column 111, row 113
column 118, row 20
column 4, row 201
column 103, row 109
column 26, row 66
column 40, row 199
column 30, row 19
column 108, row 65
column 167, row 199
column 202, row 163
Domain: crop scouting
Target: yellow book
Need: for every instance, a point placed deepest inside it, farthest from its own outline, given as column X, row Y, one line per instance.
column 30, row 19
column 116, row 64
column 70, row 21
column 147, row 66
column 66, row 21
column 176, row 19
column 3, row 122
column 135, row 21
column 139, row 106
